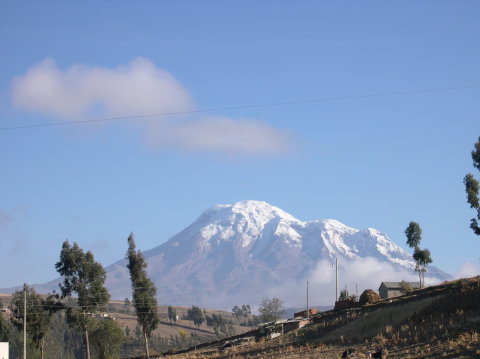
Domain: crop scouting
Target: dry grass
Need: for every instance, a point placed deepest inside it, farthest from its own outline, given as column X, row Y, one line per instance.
column 442, row 324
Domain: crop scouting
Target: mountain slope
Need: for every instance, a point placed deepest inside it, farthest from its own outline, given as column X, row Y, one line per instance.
column 239, row 253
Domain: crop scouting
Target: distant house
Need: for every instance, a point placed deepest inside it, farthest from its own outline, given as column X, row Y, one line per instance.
column 394, row 289
column 305, row 314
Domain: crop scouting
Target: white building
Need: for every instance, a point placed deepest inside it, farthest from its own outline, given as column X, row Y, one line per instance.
column 3, row 350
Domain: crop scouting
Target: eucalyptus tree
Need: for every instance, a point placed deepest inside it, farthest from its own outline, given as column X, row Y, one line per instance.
column 422, row 257
column 83, row 283
column 472, row 189
column 39, row 312
column 143, row 292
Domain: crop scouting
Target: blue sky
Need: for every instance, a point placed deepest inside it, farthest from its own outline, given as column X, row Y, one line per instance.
column 369, row 162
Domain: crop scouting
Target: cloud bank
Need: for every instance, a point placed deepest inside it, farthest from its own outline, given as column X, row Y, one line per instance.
column 366, row 273
column 136, row 89
column 468, row 269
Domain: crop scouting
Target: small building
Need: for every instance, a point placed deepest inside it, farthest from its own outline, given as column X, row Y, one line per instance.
column 3, row 350
column 395, row 289
column 305, row 314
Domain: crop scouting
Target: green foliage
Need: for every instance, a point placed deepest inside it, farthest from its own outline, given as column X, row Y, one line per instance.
column 271, row 309
column 472, row 189
column 414, row 234
column 195, row 315
column 107, row 338
column 4, row 330
column 237, row 312
column 422, row 257
column 172, row 314
column 143, row 291
column 83, row 278
column 220, row 325
column 39, row 314
column 127, row 304
column 244, row 311
column 138, row 331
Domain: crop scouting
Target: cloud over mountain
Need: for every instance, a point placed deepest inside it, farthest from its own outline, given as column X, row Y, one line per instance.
column 237, row 254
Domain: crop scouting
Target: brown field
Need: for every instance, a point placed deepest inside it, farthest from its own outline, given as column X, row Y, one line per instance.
column 437, row 322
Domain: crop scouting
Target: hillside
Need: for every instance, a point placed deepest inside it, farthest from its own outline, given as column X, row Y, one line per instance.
column 176, row 334
column 439, row 321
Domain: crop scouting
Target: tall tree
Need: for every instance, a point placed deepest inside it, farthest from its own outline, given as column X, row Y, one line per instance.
column 172, row 314
column 195, row 314
column 271, row 309
column 143, row 292
column 39, row 314
column 83, row 283
column 422, row 257
column 472, row 189
column 414, row 234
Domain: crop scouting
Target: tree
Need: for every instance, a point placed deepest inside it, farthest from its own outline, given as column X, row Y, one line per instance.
column 414, row 234
column 83, row 283
column 421, row 257
column 472, row 189
column 246, row 311
column 39, row 314
column 237, row 312
column 107, row 338
column 172, row 314
column 143, row 292
column 271, row 309
column 127, row 303
column 195, row 315
column 4, row 330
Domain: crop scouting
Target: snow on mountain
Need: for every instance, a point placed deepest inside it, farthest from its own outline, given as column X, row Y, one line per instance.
column 239, row 253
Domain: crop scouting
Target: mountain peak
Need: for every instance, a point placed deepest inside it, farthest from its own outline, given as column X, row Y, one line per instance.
column 258, row 212
column 234, row 250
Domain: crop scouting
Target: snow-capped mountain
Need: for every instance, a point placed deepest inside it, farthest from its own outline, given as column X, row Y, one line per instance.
column 239, row 253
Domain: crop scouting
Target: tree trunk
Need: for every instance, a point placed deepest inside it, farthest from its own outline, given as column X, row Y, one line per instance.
column 42, row 348
column 146, row 344
column 86, row 344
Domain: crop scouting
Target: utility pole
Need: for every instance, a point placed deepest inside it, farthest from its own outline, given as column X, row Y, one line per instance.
column 308, row 312
column 25, row 321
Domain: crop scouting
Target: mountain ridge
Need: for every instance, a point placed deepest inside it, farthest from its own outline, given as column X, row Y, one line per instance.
column 241, row 252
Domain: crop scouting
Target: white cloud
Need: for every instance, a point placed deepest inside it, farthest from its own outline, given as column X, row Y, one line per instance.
column 220, row 134
column 136, row 89
column 140, row 88
column 367, row 273
column 468, row 269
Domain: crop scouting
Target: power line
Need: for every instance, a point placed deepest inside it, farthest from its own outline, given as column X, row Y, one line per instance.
column 241, row 107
